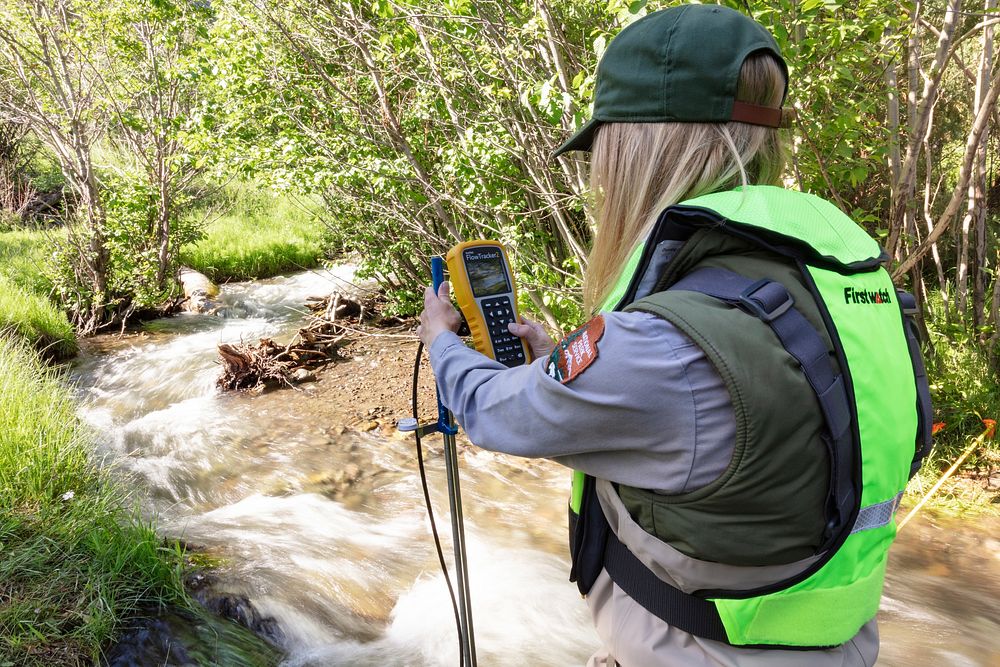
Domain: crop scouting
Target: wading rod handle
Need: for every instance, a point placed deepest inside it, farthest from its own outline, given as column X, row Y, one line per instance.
column 445, row 424
column 437, row 272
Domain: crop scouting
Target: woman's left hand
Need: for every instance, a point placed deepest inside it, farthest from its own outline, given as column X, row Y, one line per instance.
column 439, row 315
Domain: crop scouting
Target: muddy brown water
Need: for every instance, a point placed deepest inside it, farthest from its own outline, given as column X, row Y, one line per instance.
column 323, row 529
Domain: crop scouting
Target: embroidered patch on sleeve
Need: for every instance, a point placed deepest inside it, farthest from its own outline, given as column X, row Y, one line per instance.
column 575, row 352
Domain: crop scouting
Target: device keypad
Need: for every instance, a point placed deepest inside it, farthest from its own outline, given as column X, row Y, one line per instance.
column 507, row 347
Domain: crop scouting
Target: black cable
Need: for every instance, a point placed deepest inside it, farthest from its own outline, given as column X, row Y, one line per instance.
column 430, row 509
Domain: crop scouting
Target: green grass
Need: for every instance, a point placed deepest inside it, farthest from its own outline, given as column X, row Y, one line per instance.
column 75, row 561
column 24, row 254
column 962, row 495
column 965, row 389
column 25, row 308
column 35, row 319
column 258, row 237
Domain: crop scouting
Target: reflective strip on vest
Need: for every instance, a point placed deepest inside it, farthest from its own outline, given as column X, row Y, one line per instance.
column 877, row 515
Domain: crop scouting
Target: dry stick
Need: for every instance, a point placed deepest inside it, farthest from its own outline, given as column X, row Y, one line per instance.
column 954, row 466
column 372, row 334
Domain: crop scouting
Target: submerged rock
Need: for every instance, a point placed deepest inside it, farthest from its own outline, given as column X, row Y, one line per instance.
column 206, row 589
column 239, row 608
column 303, row 375
column 183, row 638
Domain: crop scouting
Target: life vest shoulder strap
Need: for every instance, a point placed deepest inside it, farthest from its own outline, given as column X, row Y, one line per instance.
column 770, row 302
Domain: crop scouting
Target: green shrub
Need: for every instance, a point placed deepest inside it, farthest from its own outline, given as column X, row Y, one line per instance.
column 133, row 278
column 965, row 389
column 130, row 205
column 74, row 558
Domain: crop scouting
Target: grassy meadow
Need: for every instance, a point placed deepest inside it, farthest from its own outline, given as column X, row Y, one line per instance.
column 35, row 319
column 257, row 236
column 23, row 255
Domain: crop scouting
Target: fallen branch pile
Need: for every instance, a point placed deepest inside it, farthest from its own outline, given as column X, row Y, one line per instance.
column 338, row 306
column 266, row 364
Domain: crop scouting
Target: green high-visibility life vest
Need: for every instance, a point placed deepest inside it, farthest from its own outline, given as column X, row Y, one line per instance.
column 849, row 297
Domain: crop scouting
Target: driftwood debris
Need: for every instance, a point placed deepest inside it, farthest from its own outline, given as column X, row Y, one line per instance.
column 361, row 309
column 266, row 364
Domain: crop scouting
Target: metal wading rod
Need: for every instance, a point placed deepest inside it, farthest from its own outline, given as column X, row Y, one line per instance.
column 446, row 425
column 461, row 560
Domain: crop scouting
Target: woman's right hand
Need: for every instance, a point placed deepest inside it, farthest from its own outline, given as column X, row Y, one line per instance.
column 532, row 333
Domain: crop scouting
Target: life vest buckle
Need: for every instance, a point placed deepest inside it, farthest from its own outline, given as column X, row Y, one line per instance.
column 766, row 300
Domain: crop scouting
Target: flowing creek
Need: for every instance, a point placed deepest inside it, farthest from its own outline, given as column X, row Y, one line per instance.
column 350, row 578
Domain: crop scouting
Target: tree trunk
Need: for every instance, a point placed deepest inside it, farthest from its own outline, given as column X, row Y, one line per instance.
column 929, row 222
column 977, row 184
column 994, row 344
column 163, row 215
column 979, row 268
column 972, row 144
column 892, row 120
column 901, row 214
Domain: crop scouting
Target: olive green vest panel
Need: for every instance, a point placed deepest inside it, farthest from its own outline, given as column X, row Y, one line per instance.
column 768, row 506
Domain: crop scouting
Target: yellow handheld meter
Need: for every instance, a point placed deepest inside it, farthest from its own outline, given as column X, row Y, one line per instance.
column 484, row 289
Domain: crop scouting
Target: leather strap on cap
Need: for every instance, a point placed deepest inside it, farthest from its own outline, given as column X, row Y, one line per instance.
column 744, row 112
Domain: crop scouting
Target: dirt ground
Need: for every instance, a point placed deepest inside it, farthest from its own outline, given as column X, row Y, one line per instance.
column 374, row 378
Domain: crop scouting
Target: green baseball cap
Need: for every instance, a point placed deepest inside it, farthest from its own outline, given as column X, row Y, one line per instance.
column 680, row 64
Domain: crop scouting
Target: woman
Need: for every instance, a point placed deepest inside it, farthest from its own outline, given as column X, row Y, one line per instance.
column 717, row 505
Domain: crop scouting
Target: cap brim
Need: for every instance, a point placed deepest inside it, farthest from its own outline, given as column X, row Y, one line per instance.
column 582, row 140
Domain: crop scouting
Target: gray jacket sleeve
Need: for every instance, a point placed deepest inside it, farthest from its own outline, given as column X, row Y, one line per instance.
column 649, row 411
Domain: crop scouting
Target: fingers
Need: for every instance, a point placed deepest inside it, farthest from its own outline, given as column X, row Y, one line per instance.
column 527, row 328
column 525, row 324
column 519, row 330
column 534, row 335
column 534, row 326
column 443, row 293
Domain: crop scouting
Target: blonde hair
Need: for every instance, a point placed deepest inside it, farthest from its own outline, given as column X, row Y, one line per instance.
column 639, row 169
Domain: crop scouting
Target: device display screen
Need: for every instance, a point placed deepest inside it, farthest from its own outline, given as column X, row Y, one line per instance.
column 487, row 273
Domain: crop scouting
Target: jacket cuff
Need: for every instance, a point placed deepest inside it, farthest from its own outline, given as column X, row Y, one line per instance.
column 444, row 341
